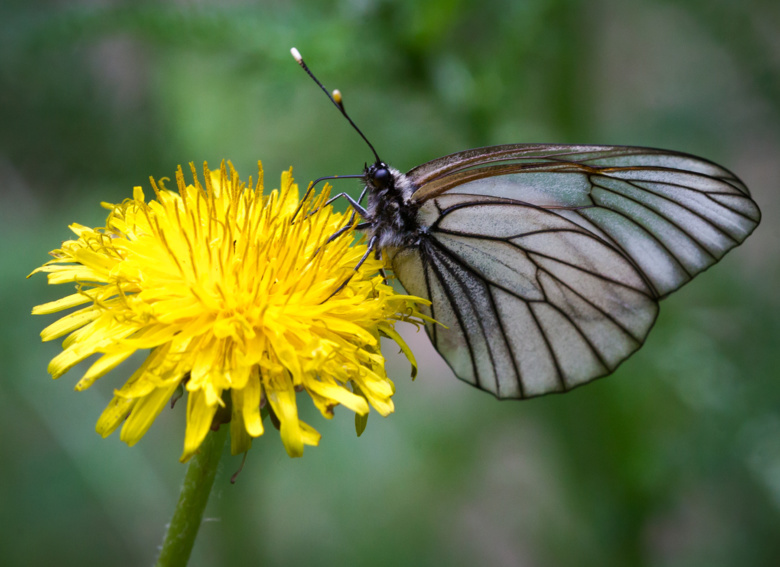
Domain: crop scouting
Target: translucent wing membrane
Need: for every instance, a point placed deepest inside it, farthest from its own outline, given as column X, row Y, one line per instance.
column 544, row 264
column 532, row 303
column 672, row 214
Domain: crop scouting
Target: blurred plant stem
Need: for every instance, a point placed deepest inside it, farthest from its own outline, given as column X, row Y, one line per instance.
column 183, row 528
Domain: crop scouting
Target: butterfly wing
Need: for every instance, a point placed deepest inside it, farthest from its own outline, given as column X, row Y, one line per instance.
column 528, row 302
column 545, row 263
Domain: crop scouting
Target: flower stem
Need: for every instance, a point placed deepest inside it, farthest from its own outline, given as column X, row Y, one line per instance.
column 194, row 495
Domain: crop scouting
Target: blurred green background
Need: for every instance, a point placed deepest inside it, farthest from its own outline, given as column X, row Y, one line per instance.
column 672, row 461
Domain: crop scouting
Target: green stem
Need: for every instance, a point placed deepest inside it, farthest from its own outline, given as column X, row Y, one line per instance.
column 194, row 495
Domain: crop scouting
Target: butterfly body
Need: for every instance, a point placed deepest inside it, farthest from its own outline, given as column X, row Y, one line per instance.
column 390, row 212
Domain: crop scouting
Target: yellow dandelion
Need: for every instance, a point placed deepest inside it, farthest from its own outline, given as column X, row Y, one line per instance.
column 232, row 293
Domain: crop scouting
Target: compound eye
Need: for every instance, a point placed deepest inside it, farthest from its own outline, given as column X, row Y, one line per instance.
column 382, row 176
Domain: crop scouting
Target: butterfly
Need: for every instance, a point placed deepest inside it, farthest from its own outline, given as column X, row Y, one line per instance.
column 544, row 264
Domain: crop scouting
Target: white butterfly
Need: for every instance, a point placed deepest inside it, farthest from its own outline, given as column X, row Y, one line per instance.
column 544, row 264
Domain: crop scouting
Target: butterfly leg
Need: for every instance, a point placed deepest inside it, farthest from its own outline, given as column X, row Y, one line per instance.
column 355, row 204
column 369, row 249
column 343, row 229
column 311, row 188
column 382, row 271
column 305, row 196
column 363, row 194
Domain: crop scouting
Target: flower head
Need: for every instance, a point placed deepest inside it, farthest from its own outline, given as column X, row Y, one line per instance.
column 232, row 292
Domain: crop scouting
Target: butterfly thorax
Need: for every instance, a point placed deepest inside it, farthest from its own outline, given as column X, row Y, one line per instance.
column 391, row 211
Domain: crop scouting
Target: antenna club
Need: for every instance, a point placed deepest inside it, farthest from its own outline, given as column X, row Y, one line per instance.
column 296, row 55
column 337, row 97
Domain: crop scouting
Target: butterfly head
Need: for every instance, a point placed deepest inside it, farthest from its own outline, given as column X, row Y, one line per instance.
column 379, row 177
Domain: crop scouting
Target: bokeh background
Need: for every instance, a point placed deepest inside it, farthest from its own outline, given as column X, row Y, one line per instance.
column 672, row 461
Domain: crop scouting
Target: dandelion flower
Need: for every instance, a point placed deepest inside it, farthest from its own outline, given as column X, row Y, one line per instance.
column 232, row 293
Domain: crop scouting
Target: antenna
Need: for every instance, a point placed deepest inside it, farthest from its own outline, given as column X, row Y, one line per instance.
column 335, row 98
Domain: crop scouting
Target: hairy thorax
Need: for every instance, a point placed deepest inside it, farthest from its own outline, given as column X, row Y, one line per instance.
column 391, row 211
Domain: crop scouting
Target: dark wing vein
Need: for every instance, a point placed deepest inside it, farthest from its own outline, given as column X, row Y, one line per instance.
column 490, row 284
column 604, row 312
column 431, row 327
column 467, row 292
column 458, row 316
column 512, row 354
column 662, row 215
column 507, row 240
column 708, row 194
column 559, row 376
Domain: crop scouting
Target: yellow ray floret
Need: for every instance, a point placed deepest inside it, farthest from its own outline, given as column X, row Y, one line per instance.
column 231, row 292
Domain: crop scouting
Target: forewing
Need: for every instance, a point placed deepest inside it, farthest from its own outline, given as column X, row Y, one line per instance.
column 527, row 302
column 673, row 215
